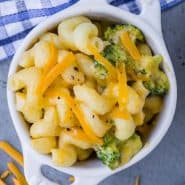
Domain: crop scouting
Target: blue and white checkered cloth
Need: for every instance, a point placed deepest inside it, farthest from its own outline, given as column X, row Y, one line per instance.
column 18, row 17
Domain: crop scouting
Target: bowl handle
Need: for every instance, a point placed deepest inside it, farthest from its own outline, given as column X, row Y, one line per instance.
column 32, row 170
column 151, row 13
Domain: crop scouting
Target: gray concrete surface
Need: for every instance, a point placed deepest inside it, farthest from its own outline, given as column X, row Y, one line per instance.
column 166, row 164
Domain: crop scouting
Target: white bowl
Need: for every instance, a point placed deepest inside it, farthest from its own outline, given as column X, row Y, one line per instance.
column 92, row 172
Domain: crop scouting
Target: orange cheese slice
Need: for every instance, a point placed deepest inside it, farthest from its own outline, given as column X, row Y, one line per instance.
column 16, row 182
column 102, row 60
column 55, row 72
column 17, row 173
column 123, row 95
column 12, row 152
column 121, row 114
column 78, row 134
column 130, row 46
column 2, row 182
column 123, row 88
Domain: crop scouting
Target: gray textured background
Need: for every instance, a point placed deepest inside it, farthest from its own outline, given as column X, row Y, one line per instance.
column 166, row 164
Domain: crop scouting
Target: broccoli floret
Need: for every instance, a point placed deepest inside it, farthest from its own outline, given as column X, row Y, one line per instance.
column 110, row 137
column 112, row 33
column 157, row 82
column 114, row 152
column 109, row 152
column 148, row 69
column 115, row 54
column 100, row 71
column 109, row 155
column 128, row 149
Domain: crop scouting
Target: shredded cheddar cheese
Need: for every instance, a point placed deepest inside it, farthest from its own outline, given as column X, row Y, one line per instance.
column 16, row 182
column 123, row 95
column 5, row 174
column 2, row 182
column 16, row 172
column 123, row 88
column 54, row 72
column 102, row 60
column 130, row 46
column 110, row 90
column 78, row 134
column 52, row 60
column 122, row 114
column 137, row 181
column 11, row 152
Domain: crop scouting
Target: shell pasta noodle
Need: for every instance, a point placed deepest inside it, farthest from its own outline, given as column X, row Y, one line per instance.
column 88, row 88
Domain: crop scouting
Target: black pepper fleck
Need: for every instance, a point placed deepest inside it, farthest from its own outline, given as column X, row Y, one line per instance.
column 76, row 68
column 93, row 116
column 72, row 77
column 117, row 104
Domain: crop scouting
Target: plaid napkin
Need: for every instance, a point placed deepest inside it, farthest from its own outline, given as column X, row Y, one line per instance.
column 18, row 17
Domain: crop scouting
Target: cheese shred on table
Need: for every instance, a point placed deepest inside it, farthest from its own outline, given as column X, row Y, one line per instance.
column 12, row 152
column 16, row 182
column 17, row 173
column 2, row 182
column 5, row 174
column 137, row 181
